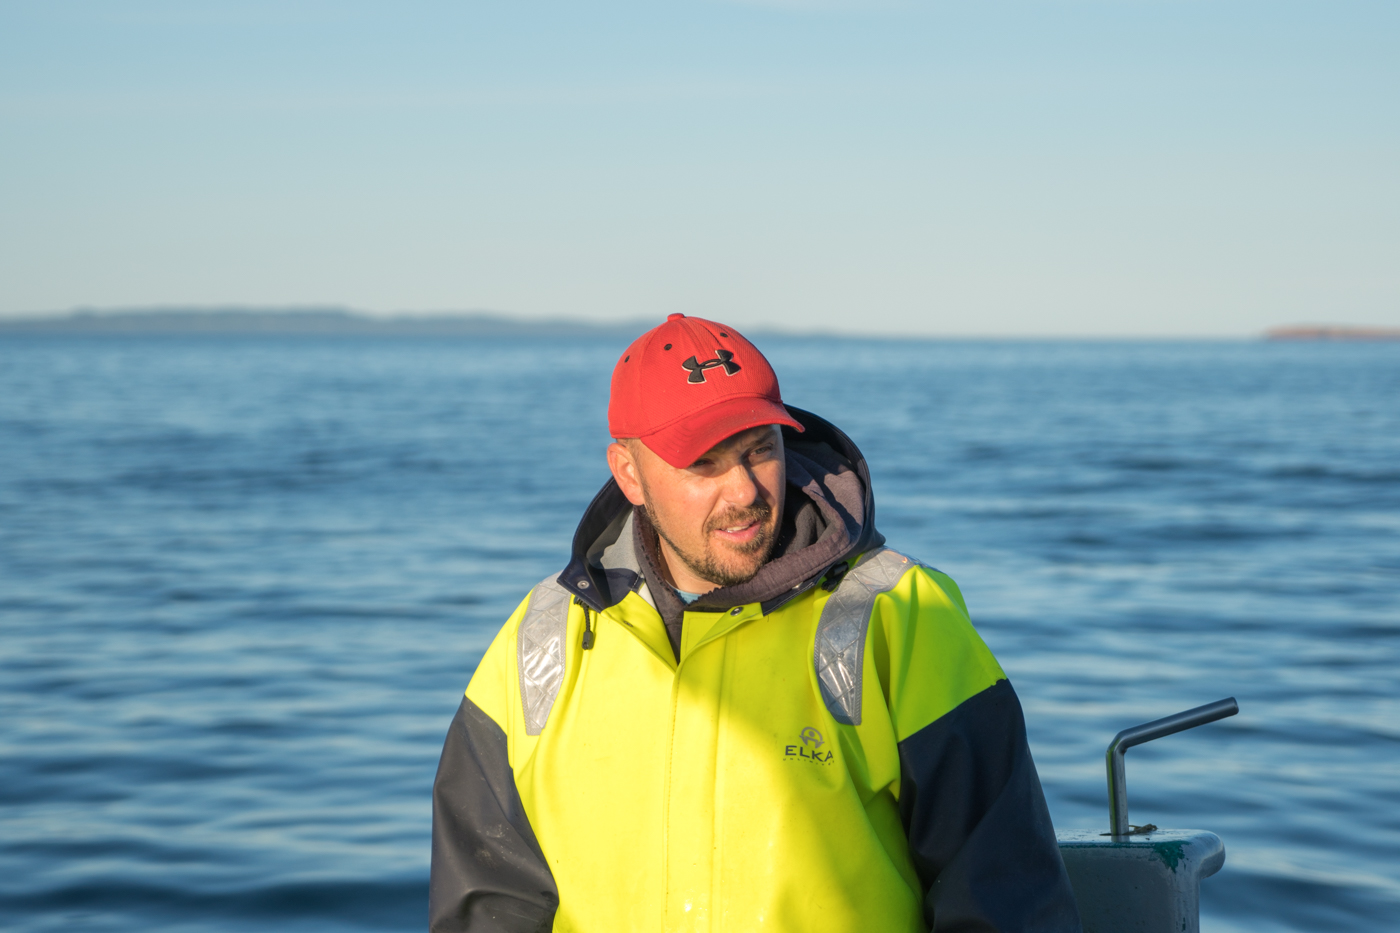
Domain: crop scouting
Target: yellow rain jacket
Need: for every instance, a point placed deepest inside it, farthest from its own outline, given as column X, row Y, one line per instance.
column 839, row 752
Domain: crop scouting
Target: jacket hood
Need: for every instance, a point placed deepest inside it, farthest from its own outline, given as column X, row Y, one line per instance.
column 829, row 482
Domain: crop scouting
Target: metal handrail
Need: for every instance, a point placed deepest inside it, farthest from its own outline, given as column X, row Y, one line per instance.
column 1136, row 735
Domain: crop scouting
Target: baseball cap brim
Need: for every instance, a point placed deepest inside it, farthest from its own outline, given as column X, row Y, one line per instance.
column 682, row 443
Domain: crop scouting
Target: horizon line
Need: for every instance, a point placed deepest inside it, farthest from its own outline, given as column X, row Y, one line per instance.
column 485, row 322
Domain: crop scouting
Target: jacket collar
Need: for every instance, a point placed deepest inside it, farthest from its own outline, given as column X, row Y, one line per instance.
column 822, row 462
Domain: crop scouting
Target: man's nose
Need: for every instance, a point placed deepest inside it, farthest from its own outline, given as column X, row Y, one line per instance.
column 740, row 486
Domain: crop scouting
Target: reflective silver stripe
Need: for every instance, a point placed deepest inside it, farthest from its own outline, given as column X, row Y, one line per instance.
column 840, row 651
column 540, row 650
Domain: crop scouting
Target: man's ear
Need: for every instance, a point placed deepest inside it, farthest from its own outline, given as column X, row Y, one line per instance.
column 625, row 470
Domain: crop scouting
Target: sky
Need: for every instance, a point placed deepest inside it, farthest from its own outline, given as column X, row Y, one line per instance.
column 1111, row 168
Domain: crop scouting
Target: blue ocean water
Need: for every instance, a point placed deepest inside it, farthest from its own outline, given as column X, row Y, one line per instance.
column 243, row 582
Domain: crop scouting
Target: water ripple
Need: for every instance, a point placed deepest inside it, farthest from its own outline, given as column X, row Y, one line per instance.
column 243, row 583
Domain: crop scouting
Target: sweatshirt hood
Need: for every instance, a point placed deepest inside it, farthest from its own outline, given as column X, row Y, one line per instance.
column 829, row 518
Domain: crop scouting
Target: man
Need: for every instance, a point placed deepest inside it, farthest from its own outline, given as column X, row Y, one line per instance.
column 735, row 709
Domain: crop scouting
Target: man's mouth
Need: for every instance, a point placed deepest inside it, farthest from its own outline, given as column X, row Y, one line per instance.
column 738, row 534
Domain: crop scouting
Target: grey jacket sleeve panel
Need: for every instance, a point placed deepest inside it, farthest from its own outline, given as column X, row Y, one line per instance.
column 488, row 873
column 979, row 830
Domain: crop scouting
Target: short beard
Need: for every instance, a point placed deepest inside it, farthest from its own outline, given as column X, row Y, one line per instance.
column 706, row 566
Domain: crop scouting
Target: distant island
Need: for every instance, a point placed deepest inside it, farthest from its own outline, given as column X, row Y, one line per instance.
column 1330, row 332
column 333, row 320
column 304, row 321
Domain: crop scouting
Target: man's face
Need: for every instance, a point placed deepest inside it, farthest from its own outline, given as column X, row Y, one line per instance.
column 718, row 518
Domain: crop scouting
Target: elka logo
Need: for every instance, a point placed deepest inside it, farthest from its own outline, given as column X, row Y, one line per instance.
column 811, row 748
column 723, row 358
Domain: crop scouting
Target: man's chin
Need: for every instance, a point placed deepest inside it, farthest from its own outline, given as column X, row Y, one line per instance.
column 737, row 576
column 737, row 566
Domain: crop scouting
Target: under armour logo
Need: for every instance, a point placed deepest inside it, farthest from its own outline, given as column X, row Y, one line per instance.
column 697, row 370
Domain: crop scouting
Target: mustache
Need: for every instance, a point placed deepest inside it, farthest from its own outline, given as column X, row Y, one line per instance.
column 759, row 512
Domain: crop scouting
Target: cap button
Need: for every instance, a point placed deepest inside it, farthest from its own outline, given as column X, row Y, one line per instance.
column 674, row 317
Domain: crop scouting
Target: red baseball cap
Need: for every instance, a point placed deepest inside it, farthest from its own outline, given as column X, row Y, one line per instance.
column 684, row 386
